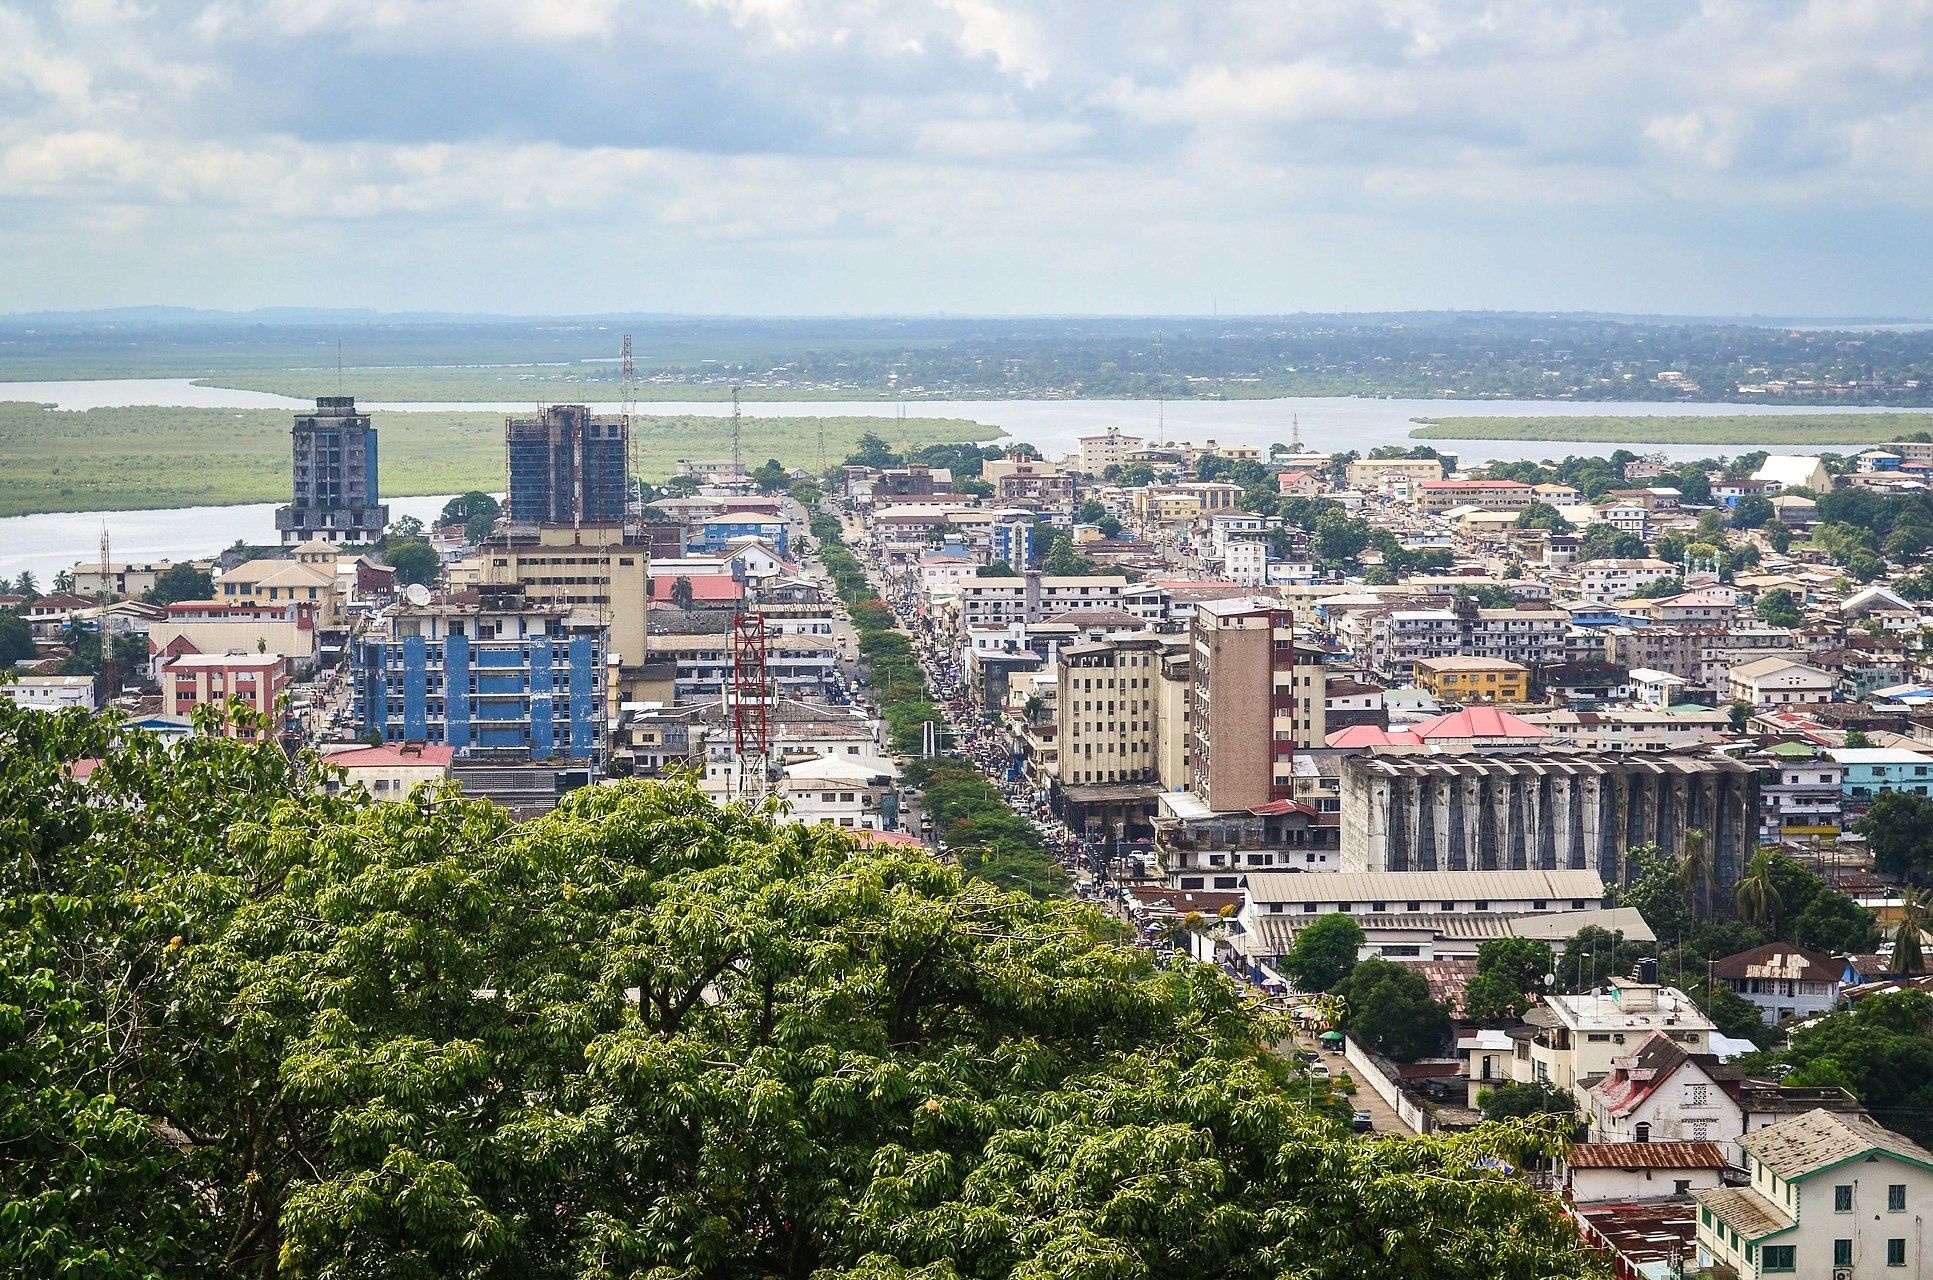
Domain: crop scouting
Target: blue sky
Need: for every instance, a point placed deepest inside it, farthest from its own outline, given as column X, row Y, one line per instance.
column 859, row 156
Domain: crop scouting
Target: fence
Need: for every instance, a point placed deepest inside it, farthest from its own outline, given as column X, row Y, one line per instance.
column 1376, row 1073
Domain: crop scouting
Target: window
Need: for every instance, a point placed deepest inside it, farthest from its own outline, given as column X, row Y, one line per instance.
column 1643, row 1132
column 1896, row 1252
column 1778, row 1257
column 1896, row 1198
column 1842, row 1253
column 1842, row 1198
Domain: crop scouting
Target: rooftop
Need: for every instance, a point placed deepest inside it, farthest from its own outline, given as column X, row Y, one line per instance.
column 1434, row 886
column 1646, row 1155
column 1818, row 1139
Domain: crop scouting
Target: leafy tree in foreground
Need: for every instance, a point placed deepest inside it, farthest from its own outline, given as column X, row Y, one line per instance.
column 1898, row 827
column 256, row 1030
column 180, row 582
column 1779, row 608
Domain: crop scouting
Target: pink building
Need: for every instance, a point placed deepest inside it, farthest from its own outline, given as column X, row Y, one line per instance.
column 191, row 679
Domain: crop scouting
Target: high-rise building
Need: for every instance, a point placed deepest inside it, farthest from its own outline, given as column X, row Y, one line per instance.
column 568, row 467
column 1242, row 707
column 492, row 673
column 336, row 488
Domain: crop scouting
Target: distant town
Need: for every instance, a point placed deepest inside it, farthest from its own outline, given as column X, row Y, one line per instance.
column 1599, row 789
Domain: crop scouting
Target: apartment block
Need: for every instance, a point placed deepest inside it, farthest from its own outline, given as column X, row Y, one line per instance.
column 337, row 480
column 1436, row 496
column 1242, row 704
column 568, row 466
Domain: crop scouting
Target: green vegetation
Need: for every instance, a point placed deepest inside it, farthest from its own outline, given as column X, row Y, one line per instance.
column 1324, row 953
column 1536, row 1098
column 1510, row 978
column 980, row 829
column 1726, row 429
column 124, row 459
column 1882, row 1052
column 255, row 1030
column 1388, row 1008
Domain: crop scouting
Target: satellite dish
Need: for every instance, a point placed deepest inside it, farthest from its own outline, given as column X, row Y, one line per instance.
column 416, row 593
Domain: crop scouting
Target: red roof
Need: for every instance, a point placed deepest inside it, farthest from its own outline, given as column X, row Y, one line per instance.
column 418, row 755
column 1368, row 735
column 865, row 835
column 704, row 586
column 1480, row 722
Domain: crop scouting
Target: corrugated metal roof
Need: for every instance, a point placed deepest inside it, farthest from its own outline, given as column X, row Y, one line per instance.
column 1807, row 1143
column 1646, row 1155
column 1744, row 1211
column 1439, row 886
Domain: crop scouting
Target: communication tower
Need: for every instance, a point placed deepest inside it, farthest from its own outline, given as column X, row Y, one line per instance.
column 629, row 372
column 750, row 707
column 738, row 462
column 1160, row 390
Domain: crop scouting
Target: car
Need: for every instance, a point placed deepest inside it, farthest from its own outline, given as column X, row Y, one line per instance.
column 1320, row 1070
column 1306, row 1055
column 1361, row 1122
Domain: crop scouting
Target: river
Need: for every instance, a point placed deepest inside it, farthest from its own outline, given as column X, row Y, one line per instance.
column 48, row 543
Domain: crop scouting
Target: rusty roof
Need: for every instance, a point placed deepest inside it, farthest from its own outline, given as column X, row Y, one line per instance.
column 1744, row 1211
column 1819, row 1139
column 1647, row 1155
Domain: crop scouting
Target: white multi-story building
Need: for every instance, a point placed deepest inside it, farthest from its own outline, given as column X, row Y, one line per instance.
column 1831, row 1195
column 1098, row 453
column 1032, row 597
column 1245, row 562
column 1602, row 581
column 1657, row 1092
column 51, row 693
column 1579, row 1037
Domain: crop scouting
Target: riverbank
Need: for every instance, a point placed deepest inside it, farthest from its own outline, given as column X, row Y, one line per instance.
column 138, row 457
column 1756, row 429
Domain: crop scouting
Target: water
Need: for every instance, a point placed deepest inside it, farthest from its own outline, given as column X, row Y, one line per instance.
column 47, row 543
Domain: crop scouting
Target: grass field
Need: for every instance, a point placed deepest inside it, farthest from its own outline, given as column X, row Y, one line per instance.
column 1726, row 429
column 126, row 459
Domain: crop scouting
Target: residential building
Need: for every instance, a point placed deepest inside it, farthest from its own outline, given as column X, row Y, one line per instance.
column 1579, row 1038
column 798, row 666
column 1596, row 1172
column 568, row 466
column 1438, row 496
column 1801, row 793
column 1245, row 562
column 338, row 491
column 1785, row 981
column 52, row 693
column 1768, row 682
column 491, row 673
column 193, row 680
column 1583, row 811
column 1830, row 1195
column 1108, row 730
column 1474, row 728
column 1243, row 704
column 216, row 626
column 281, row 582
column 124, row 580
column 388, row 772
column 853, row 792
column 1871, row 770
column 601, row 571
column 1398, row 638
column 1792, row 471
column 1378, row 474
column 1615, row 730
column 1011, row 542
column 1098, row 453
column 1032, row 597
column 1466, row 680
column 1605, row 581
column 1659, row 1091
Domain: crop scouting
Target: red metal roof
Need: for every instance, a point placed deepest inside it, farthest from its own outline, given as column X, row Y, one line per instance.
column 1480, row 722
column 704, row 586
column 1646, row 1155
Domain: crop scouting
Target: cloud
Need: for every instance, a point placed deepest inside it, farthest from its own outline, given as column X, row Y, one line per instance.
column 907, row 154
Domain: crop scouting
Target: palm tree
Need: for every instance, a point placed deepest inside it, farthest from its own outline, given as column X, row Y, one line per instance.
column 1756, row 895
column 1908, row 956
column 1698, row 873
column 681, row 592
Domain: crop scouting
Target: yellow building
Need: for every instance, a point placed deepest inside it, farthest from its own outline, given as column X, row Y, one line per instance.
column 1467, row 680
column 599, row 570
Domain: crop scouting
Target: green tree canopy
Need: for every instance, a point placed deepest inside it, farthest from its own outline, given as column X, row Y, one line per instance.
column 466, row 507
column 1324, row 953
column 1898, row 827
column 16, row 639
column 871, row 451
column 1514, row 1099
column 1779, row 608
column 257, row 1030
column 1390, row 1010
column 180, row 582
column 1510, row 977
column 414, row 560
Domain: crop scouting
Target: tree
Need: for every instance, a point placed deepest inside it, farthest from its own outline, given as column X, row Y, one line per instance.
column 406, row 528
column 681, row 591
column 1898, row 827
column 1389, row 1009
column 1064, row 561
column 1596, row 954
column 998, row 569
column 1109, row 527
column 1780, row 536
column 180, row 582
column 1698, row 874
column 1340, row 538
column 1881, row 1052
column 1779, row 608
column 64, row 580
column 1655, row 885
column 478, row 527
column 644, row 1031
column 414, row 560
column 1510, row 976
column 1541, row 515
column 1324, row 953
column 466, row 508
column 1512, row 1100
column 871, row 451
column 1856, row 739
column 26, row 585
column 770, row 476
column 1378, row 576
column 1091, row 512
column 16, row 640
column 1734, row 1015
column 1756, row 895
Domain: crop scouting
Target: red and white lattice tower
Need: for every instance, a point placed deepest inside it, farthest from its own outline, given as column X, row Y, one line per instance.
column 751, row 706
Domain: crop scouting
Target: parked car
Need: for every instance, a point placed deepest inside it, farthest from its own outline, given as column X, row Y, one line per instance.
column 1320, row 1070
column 1361, row 1122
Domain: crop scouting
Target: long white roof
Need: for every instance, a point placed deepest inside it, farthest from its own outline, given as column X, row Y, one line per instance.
column 1436, row 886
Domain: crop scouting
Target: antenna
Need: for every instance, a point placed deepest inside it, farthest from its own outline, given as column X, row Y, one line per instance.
column 1295, row 426
column 108, row 687
column 738, row 462
column 338, row 366
column 1160, row 389
column 629, row 373
column 822, row 444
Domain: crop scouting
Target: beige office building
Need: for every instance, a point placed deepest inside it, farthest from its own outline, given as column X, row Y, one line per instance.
column 599, row 570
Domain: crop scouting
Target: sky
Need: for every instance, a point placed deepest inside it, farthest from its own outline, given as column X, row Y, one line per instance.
column 968, row 156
